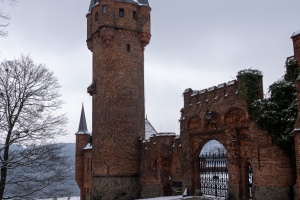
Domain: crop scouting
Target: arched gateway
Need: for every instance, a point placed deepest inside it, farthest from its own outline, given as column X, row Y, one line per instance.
column 213, row 168
column 252, row 164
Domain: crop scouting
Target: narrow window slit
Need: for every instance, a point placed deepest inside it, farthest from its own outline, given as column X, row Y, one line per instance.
column 128, row 48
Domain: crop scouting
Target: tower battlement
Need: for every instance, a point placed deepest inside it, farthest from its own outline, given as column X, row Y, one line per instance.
column 108, row 18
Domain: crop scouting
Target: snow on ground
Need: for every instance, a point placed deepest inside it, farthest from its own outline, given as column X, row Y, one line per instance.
column 166, row 198
column 64, row 198
column 157, row 198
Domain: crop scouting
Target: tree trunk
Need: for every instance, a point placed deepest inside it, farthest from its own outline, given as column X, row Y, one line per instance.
column 4, row 165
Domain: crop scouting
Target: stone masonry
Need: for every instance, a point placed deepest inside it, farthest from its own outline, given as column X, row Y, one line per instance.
column 120, row 162
column 117, row 33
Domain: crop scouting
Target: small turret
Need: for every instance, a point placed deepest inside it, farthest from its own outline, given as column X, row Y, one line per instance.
column 82, row 138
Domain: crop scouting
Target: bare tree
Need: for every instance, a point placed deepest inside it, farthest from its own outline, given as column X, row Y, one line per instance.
column 29, row 103
column 4, row 19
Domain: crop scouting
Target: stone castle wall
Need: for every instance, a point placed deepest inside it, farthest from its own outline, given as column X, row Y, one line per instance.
column 245, row 143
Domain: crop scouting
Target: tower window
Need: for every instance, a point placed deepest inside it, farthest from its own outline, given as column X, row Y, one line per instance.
column 96, row 16
column 128, row 47
column 121, row 12
column 134, row 15
column 104, row 8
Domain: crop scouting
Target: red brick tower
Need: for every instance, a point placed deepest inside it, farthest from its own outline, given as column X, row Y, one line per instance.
column 82, row 138
column 296, row 42
column 117, row 32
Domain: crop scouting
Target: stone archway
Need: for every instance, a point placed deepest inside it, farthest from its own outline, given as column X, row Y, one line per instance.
column 213, row 169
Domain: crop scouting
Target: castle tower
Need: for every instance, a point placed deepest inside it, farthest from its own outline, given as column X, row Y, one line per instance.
column 117, row 32
column 82, row 138
column 296, row 42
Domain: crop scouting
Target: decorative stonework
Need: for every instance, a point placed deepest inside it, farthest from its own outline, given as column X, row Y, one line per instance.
column 235, row 117
column 107, row 34
column 144, row 39
column 195, row 124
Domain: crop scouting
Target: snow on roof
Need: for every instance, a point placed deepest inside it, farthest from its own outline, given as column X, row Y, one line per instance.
column 165, row 134
column 187, row 90
column 195, row 92
column 231, row 82
column 88, row 146
column 202, row 91
column 296, row 33
column 211, row 88
column 221, row 85
column 92, row 4
column 149, row 130
column 139, row 2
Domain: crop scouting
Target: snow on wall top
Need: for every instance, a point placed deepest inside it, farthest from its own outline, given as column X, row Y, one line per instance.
column 296, row 33
column 165, row 134
column 223, row 85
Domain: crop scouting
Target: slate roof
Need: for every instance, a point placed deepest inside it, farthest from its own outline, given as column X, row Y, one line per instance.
column 92, row 4
column 139, row 2
column 149, row 130
column 82, row 129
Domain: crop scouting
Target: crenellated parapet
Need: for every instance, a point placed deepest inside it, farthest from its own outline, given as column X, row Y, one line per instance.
column 219, row 107
column 215, row 93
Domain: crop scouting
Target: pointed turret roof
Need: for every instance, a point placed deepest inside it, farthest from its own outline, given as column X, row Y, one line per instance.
column 82, row 129
column 149, row 129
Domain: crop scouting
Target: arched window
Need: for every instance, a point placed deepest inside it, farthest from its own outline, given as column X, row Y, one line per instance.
column 121, row 12
column 96, row 16
column 134, row 15
column 128, row 48
column 104, row 8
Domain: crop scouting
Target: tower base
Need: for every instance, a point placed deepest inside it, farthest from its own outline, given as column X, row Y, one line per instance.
column 115, row 188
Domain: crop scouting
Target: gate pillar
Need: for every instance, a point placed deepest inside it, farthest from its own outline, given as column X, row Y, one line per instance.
column 234, row 185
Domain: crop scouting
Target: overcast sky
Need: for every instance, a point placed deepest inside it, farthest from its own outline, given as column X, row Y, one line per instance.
column 195, row 44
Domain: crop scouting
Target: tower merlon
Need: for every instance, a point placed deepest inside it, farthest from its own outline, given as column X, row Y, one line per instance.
column 296, row 43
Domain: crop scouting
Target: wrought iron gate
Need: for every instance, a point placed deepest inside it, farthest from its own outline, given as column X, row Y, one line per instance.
column 250, row 181
column 214, row 174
